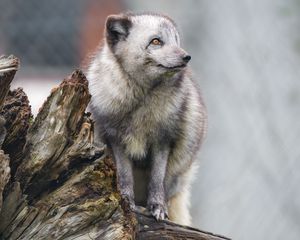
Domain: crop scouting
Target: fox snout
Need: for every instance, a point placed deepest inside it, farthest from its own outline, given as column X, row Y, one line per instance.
column 182, row 56
column 174, row 58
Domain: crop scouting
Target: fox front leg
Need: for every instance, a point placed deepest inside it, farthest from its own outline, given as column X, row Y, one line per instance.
column 124, row 174
column 156, row 202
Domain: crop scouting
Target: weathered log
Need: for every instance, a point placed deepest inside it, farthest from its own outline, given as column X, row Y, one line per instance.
column 53, row 133
column 149, row 228
column 65, row 186
column 17, row 113
column 4, row 173
column 2, row 130
column 8, row 67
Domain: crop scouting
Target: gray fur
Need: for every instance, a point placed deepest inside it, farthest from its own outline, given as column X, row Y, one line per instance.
column 148, row 109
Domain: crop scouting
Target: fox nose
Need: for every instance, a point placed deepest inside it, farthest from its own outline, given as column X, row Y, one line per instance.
column 186, row 58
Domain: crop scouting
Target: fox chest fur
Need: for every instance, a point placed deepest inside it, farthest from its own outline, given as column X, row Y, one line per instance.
column 145, row 121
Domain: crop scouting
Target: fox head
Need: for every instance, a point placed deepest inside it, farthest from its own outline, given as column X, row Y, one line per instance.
column 146, row 45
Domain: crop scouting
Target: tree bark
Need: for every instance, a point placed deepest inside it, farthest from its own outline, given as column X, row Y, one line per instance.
column 56, row 183
column 8, row 67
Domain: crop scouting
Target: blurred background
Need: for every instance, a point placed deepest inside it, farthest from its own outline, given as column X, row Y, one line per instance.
column 245, row 57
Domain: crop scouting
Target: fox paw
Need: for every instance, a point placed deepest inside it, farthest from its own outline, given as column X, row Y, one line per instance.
column 158, row 211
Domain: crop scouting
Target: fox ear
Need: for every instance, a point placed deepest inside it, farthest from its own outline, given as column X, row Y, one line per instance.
column 117, row 28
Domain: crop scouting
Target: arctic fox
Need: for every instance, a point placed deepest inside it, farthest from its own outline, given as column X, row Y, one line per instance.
column 149, row 111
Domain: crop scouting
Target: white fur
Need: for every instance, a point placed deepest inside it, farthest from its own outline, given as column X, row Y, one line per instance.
column 120, row 84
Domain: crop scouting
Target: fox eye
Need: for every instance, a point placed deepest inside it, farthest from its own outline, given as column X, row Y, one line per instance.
column 156, row 41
